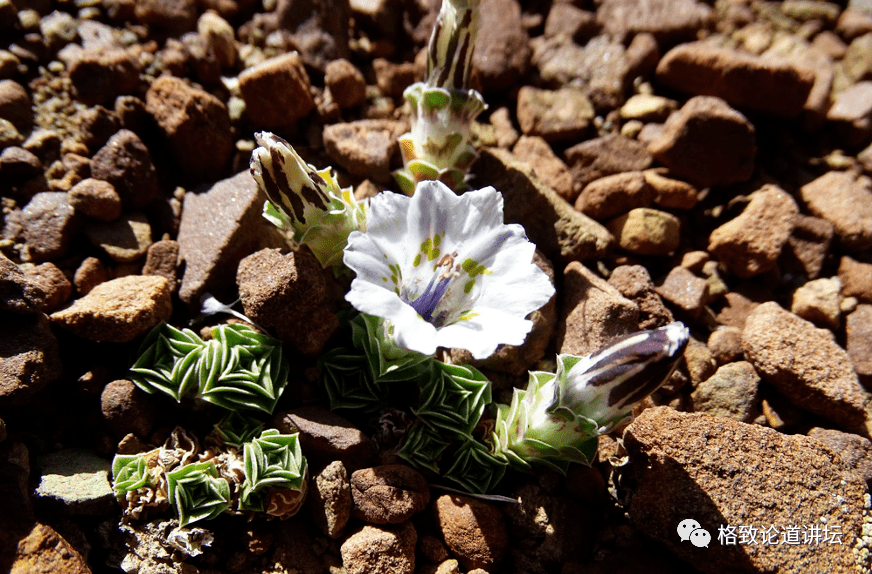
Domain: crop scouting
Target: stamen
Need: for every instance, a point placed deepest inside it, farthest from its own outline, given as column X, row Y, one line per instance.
column 425, row 304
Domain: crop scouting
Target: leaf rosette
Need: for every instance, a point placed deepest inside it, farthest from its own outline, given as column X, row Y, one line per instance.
column 275, row 475
column 198, row 492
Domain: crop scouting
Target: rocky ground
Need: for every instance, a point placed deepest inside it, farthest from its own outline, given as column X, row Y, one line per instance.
column 704, row 161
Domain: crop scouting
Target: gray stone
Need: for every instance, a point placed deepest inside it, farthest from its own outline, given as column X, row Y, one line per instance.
column 75, row 481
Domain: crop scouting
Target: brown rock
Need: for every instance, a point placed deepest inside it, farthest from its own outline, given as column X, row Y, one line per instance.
column 29, row 358
column 613, row 195
column 392, row 79
column 364, row 148
column 601, row 66
column 852, row 114
column 474, row 531
column 563, row 114
column 808, row 244
column 668, row 20
column 559, row 231
column 42, row 549
column 276, row 92
column 125, row 163
column 127, row 409
column 707, row 142
column 550, row 530
column 375, row 550
column 739, row 78
column 736, row 310
column 685, row 290
column 740, row 475
column 647, row 108
column 388, row 494
column 326, row 435
column 732, row 392
column 162, row 260
column 91, row 272
column 858, row 327
column 593, row 313
column 97, row 125
column 854, row 451
column 699, row 361
column 725, row 344
column 346, row 83
column 220, row 37
column 634, row 283
column 846, row 203
column 566, row 20
column 100, row 75
column 96, row 198
column 611, row 154
column 180, row 16
column 125, row 240
column 118, row 310
column 54, row 285
column 646, row 231
column 15, row 105
column 819, row 301
column 288, row 293
column 502, row 52
column 18, row 293
column 751, row 243
column 856, row 278
column 536, row 152
column 806, row 365
column 195, row 123
column 48, row 221
column 18, row 164
column 218, row 228
column 670, row 193
column 853, row 22
column 330, row 499
column 505, row 133
column 320, row 29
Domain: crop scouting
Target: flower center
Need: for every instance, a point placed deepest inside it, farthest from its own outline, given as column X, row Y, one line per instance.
column 425, row 304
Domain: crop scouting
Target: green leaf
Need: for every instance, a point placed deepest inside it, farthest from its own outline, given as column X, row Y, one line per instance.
column 423, row 446
column 129, row 472
column 387, row 361
column 235, row 429
column 348, row 382
column 274, row 462
column 475, row 469
column 454, row 398
column 167, row 361
column 197, row 492
column 242, row 369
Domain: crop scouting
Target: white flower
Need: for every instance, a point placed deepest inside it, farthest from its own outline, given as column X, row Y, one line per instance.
column 445, row 270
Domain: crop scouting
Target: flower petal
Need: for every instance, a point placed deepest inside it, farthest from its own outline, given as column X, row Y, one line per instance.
column 484, row 331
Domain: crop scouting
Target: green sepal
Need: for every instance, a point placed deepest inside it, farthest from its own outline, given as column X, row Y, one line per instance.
column 198, row 492
column 129, row 472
